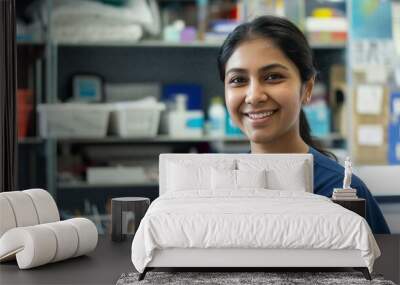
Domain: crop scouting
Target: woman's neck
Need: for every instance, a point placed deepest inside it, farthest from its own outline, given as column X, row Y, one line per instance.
column 290, row 143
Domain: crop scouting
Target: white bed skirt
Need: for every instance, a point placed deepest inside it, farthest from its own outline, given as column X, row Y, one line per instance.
column 193, row 257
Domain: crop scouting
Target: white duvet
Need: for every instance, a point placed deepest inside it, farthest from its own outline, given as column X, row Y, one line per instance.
column 250, row 219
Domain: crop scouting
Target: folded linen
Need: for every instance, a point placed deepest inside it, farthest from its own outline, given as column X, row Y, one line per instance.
column 144, row 13
column 97, row 33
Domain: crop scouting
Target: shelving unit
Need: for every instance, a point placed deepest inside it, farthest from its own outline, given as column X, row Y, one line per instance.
column 147, row 60
column 143, row 61
column 31, row 74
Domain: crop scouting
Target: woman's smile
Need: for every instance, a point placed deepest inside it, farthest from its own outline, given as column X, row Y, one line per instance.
column 260, row 118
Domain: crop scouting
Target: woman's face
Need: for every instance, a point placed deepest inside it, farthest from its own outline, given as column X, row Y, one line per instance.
column 263, row 91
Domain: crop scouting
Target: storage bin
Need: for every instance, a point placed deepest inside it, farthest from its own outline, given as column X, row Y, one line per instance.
column 120, row 92
column 116, row 175
column 136, row 120
column 67, row 120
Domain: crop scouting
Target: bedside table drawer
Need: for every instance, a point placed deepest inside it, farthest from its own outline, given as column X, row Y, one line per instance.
column 355, row 205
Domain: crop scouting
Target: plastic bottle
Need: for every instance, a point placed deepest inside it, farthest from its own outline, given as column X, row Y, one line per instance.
column 216, row 116
column 180, row 100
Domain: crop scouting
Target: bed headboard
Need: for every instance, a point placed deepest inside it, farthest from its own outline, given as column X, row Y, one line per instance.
column 165, row 158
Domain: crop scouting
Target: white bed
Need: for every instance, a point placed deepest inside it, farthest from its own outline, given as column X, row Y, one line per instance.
column 204, row 221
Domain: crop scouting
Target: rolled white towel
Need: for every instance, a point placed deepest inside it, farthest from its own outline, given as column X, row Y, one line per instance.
column 67, row 240
column 87, row 235
column 7, row 218
column 45, row 205
column 40, row 244
column 33, row 246
column 23, row 208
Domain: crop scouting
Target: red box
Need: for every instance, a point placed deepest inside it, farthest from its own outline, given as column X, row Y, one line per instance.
column 24, row 111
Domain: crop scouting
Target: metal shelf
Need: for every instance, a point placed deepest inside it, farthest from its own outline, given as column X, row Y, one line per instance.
column 30, row 42
column 164, row 44
column 31, row 140
column 168, row 139
column 158, row 139
column 143, row 43
column 85, row 185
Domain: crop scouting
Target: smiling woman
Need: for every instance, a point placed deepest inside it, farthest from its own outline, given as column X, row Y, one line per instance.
column 264, row 94
column 268, row 72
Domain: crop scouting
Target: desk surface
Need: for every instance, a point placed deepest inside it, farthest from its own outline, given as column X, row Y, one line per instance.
column 110, row 259
column 102, row 266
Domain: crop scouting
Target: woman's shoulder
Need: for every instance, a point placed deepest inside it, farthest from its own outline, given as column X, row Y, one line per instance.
column 325, row 162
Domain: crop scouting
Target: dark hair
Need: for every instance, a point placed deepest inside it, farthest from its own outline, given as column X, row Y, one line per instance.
column 291, row 41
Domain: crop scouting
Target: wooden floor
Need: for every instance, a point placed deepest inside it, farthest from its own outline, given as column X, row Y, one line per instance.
column 110, row 260
column 103, row 266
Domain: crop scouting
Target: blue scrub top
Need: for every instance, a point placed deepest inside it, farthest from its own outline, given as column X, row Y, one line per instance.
column 328, row 174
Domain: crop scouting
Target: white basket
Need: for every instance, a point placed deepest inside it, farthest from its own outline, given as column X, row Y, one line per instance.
column 133, row 120
column 67, row 120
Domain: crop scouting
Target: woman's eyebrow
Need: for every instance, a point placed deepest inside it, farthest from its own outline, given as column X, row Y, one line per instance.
column 235, row 69
column 262, row 69
column 272, row 66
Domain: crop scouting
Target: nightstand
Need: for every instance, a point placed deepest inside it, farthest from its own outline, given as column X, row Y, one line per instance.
column 126, row 210
column 355, row 205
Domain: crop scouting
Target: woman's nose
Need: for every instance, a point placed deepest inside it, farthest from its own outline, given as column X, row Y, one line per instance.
column 255, row 94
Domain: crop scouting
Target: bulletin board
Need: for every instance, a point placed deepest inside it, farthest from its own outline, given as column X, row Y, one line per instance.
column 370, row 120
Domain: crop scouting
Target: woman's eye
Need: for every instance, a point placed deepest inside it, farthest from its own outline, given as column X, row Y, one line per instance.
column 274, row 77
column 237, row 80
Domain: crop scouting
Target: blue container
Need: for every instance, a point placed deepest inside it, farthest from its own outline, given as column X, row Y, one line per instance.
column 194, row 94
column 318, row 116
column 394, row 130
column 230, row 128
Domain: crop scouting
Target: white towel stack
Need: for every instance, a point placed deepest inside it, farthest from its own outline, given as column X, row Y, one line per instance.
column 91, row 21
column 344, row 194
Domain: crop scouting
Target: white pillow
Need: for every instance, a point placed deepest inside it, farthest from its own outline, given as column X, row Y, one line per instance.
column 251, row 178
column 223, row 179
column 183, row 178
column 291, row 179
column 230, row 180
column 284, row 174
column 185, row 175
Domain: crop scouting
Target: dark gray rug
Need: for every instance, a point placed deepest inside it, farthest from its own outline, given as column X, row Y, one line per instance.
column 269, row 278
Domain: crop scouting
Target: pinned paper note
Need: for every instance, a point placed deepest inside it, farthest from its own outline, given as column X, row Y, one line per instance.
column 369, row 99
column 376, row 74
column 370, row 135
column 396, row 25
column 398, row 151
column 396, row 106
column 397, row 75
column 372, row 52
